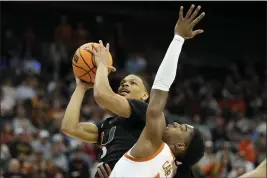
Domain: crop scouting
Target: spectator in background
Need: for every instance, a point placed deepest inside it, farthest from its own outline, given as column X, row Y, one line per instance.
column 248, row 165
column 225, row 151
column 219, row 133
column 4, row 155
column 20, row 144
column 209, row 104
column 247, row 147
column 27, row 89
column 78, row 167
column 20, row 121
column 57, row 110
column 261, row 147
column 14, row 170
column 209, row 156
column 219, row 168
column 42, row 144
column 8, row 97
column 7, row 133
column 58, row 55
column 59, row 158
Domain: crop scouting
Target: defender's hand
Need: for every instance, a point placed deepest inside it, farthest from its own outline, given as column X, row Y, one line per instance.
column 101, row 54
column 82, row 85
column 104, row 171
column 184, row 26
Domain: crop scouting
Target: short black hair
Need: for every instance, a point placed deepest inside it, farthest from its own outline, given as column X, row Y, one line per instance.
column 147, row 86
column 193, row 153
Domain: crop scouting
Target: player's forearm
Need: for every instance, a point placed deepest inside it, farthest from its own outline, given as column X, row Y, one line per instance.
column 71, row 118
column 102, row 89
column 166, row 74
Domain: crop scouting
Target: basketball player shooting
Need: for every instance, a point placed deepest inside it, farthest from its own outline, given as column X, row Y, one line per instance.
column 160, row 150
column 117, row 134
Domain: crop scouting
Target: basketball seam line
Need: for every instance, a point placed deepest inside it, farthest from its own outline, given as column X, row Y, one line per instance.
column 87, row 72
column 85, row 63
column 83, row 59
column 79, row 67
column 93, row 61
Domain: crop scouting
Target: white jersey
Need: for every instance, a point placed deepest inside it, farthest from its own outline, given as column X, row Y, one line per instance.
column 160, row 164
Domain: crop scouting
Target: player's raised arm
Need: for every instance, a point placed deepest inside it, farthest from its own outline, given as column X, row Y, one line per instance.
column 87, row 132
column 103, row 94
column 155, row 121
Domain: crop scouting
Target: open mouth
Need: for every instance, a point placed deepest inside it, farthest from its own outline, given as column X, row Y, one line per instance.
column 124, row 92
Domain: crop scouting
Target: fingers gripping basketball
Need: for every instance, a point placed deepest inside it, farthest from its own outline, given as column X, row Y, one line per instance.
column 83, row 63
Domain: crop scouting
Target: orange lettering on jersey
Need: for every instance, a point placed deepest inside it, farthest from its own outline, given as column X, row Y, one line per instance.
column 167, row 167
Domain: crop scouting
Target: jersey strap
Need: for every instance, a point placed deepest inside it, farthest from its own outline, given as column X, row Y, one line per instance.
column 126, row 155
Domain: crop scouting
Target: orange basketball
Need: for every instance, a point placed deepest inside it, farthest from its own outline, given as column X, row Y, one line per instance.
column 83, row 63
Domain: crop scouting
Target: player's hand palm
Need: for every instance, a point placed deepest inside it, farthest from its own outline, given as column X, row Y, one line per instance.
column 101, row 54
column 83, row 85
column 184, row 26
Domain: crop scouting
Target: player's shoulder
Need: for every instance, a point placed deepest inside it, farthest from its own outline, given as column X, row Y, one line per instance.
column 137, row 105
column 137, row 102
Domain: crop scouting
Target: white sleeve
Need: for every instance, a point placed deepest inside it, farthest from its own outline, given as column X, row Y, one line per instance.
column 167, row 70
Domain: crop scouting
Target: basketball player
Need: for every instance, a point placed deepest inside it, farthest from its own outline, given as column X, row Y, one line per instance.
column 116, row 135
column 160, row 150
column 259, row 172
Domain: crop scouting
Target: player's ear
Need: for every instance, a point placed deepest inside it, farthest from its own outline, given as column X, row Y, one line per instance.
column 145, row 96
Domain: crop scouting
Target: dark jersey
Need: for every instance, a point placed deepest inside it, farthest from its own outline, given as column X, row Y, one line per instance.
column 117, row 135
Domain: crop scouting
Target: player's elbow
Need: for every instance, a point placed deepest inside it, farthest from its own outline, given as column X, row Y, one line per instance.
column 67, row 129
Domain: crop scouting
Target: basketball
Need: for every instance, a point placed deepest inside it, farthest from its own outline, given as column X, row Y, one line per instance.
column 83, row 63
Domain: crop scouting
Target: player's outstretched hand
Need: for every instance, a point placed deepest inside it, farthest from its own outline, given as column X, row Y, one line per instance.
column 82, row 85
column 104, row 171
column 184, row 26
column 101, row 54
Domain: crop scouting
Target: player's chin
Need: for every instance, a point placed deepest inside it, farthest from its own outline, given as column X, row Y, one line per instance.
column 124, row 94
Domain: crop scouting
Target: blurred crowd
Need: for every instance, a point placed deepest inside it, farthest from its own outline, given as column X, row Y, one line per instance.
column 228, row 104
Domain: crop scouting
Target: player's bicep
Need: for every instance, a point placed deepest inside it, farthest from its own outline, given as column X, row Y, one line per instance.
column 87, row 132
column 116, row 104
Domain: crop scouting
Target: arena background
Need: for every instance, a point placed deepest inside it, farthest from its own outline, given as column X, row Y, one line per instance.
column 221, row 85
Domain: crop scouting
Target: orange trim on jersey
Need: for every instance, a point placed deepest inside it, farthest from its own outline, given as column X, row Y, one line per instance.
column 157, row 176
column 145, row 158
column 173, row 155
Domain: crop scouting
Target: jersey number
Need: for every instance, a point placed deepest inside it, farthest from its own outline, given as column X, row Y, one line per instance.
column 110, row 138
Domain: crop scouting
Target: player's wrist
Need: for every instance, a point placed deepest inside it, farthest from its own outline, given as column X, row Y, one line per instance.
column 104, row 67
column 81, row 89
column 178, row 38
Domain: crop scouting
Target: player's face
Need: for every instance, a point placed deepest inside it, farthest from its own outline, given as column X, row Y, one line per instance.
column 178, row 135
column 132, row 87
